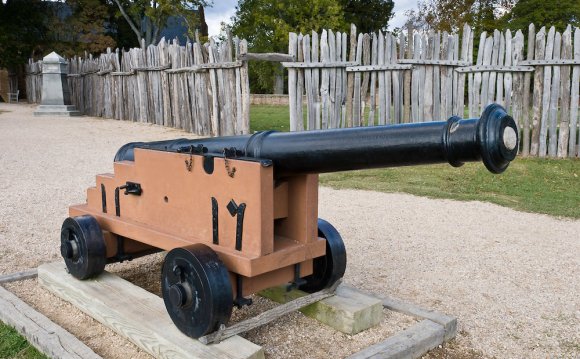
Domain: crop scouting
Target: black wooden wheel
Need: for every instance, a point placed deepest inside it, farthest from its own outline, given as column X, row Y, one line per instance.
column 330, row 267
column 83, row 247
column 196, row 290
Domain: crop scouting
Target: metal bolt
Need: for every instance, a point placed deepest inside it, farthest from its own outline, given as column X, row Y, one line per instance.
column 177, row 271
column 69, row 249
column 177, row 295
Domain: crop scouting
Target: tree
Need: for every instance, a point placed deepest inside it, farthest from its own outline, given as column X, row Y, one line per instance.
column 146, row 18
column 79, row 26
column 267, row 23
column 543, row 13
column 368, row 15
column 23, row 28
column 451, row 15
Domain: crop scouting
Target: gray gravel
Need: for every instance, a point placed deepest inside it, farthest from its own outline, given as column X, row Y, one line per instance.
column 511, row 278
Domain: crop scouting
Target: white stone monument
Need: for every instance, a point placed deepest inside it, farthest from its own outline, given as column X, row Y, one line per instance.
column 56, row 99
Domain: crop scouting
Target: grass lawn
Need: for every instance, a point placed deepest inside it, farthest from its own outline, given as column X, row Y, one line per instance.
column 12, row 345
column 530, row 185
column 264, row 117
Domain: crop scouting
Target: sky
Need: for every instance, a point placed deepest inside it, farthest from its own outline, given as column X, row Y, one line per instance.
column 223, row 10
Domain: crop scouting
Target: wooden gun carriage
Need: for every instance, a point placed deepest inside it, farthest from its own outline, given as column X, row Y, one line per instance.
column 240, row 214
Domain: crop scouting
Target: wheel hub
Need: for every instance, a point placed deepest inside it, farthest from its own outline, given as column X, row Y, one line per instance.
column 70, row 249
column 180, row 295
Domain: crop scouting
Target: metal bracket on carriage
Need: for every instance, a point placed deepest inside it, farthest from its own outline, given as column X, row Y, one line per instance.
column 132, row 188
column 240, row 300
column 228, row 153
column 268, row 316
column 121, row 256
column 192, row 150
column 238, row 210
column 297, row 280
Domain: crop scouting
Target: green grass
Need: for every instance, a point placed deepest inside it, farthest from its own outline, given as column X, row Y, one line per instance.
column 265, row 117
column 531, row 185
column 12, row 345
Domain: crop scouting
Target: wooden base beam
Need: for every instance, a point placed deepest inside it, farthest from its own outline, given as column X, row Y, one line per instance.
column 433, row 330
column 413, row 342
column 268, row 316
column 14, row 277
column 448, row 323
column 138, row 315
column 40, row 331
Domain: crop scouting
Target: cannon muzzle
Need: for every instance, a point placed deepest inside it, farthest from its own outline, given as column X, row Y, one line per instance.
column 492, row 138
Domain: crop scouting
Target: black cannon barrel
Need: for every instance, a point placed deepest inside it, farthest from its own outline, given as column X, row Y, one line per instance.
column 492, row 138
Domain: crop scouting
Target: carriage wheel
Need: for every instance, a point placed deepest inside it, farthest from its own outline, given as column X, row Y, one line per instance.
column 330, row 267
column 196, row 290
column 83, row 247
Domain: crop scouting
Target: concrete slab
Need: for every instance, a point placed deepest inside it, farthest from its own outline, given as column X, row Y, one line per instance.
column 56, row 110
column 349, row 311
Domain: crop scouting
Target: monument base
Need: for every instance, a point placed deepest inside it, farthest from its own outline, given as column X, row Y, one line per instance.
column 56, row 110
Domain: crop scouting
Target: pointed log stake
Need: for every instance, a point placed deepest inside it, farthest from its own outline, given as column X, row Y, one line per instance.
column 268, row 316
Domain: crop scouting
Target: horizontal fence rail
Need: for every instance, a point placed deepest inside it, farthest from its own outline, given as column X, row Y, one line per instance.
column 355, row 79
column 202, row 89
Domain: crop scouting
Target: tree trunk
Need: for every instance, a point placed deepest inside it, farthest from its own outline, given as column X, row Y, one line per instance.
column 148, row 30
column 129, row 21
column 278, row 84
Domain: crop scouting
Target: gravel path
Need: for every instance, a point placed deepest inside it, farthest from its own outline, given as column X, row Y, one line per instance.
column 511, row 278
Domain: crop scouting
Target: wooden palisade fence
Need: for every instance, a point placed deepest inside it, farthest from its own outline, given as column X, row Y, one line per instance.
column 34, row 81
column 203, row 89
column 367, row 79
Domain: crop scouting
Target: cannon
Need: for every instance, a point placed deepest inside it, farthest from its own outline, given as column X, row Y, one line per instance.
column 239, row 214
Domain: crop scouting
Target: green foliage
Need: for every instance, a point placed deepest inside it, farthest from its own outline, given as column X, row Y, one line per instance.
column 12, row 345
column 368, row 15
column 267, row 23
column 485, row 15
column 543, row 13
column 451, row 15
column 146, row 18
column 32, row 29
column 85, row 30
column 23, row 29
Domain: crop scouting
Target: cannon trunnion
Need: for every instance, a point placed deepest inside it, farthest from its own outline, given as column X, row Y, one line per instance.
column 240, row 214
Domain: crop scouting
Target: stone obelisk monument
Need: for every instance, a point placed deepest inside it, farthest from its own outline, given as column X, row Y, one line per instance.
column 56, row 99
